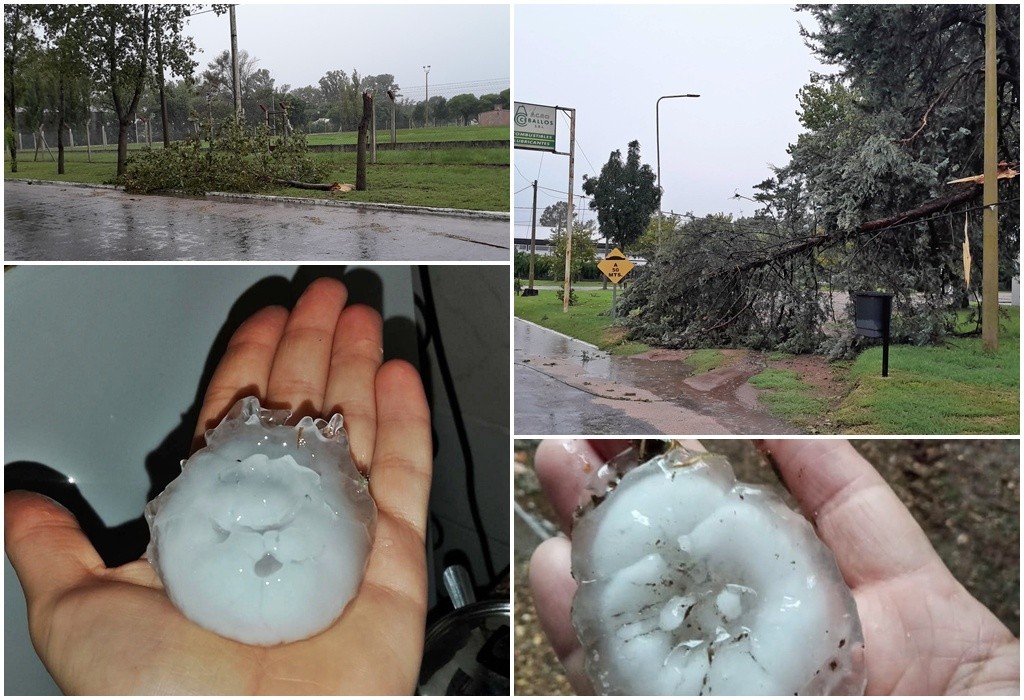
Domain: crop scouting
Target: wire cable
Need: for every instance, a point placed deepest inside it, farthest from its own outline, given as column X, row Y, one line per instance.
column 429, row 311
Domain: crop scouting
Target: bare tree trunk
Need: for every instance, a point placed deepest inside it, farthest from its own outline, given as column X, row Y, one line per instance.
column 158, row 38
column 122, row 145
column 364, row 125
column 60, row 125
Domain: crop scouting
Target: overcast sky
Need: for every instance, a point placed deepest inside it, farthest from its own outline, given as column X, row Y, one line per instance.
column 612, row 62
column 298, row 44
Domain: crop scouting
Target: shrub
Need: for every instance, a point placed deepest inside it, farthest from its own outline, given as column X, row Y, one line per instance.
column 238, row 160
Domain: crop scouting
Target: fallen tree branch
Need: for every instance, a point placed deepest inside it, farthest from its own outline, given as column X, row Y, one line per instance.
column 957, row 196
column 324, row 186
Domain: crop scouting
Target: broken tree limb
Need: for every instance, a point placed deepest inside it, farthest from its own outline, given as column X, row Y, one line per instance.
column 324, row 186
column 957, row 196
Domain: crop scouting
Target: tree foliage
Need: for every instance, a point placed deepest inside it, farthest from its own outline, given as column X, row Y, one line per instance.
column 555, row 216
column 625, row 196
column 584, row 249
column 901, row 116
column 240, row 159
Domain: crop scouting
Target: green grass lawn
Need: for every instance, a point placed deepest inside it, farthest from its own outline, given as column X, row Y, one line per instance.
column 444, row 133
column 954, row 389
column 460, row 178
column 589, row 320
column 787, row 396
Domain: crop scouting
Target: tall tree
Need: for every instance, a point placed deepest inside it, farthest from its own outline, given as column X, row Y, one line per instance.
column 554, row 217
column 624, row 195
column 62, row 26
column 118, row 40
column 465, row 107
column 19, row 42
column 863, row 203
column 584, row 249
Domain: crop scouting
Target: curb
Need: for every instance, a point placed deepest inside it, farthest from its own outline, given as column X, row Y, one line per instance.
column 275, row 199
column 569, row 337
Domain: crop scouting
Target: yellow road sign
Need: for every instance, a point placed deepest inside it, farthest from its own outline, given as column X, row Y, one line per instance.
column 615, row 266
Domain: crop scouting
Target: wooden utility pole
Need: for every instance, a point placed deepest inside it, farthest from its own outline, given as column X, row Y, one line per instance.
column 236, row 79
column 990, row 198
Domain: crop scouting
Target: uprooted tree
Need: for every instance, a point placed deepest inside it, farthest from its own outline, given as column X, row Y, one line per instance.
column 864, row 203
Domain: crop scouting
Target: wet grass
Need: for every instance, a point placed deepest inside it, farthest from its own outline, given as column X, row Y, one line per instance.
column 705, row 360
column 787, row 396
column 588, row 320
column 950, row 390
column 459, row 178
column 438, row 134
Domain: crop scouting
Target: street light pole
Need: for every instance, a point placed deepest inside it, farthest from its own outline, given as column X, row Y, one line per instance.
column 657, row 133
column 426, row 96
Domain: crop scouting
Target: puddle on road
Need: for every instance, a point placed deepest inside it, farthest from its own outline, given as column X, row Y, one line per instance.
column 731, row 403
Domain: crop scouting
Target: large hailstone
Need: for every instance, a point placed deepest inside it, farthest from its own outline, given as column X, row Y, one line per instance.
column 693, row 584
column 264, row 536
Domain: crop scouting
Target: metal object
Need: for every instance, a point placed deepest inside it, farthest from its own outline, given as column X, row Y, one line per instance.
column 872, row 315
column 467, row 651
column 657, row 136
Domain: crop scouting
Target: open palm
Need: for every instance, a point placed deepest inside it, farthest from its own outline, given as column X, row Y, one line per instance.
column 103, row 631
column 924, row 633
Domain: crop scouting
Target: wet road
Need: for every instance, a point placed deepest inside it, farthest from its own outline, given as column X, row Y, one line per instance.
column 56, row 222
column 565, row 387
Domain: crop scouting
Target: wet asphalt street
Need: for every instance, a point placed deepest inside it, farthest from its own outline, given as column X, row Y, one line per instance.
column 566, row 387
column 58, row 222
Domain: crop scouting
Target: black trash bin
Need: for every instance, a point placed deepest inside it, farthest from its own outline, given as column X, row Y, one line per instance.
column 872, row 315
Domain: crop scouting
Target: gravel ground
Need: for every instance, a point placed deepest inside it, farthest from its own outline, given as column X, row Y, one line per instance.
column 964, row 493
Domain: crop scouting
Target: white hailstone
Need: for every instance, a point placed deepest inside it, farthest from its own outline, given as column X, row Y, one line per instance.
column 693, row 584
column 264, row 536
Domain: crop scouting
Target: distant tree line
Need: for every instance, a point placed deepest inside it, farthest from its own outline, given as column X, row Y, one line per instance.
column 100, row 70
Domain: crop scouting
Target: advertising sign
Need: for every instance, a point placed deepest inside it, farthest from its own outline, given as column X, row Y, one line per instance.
column 534, row 127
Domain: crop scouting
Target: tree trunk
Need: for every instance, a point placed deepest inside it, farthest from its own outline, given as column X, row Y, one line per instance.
column 122, row 146
column 160, row 82
column 364, row 125
column 61, row 125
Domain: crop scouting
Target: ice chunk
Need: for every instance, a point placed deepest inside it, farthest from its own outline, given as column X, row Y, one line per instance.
column 264, row 536
column 691, row 583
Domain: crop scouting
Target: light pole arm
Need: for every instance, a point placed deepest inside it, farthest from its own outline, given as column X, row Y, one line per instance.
column 657, row 140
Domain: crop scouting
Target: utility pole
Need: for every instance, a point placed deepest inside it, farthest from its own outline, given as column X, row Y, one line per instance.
column 568, row 212
column 236, row 88
column 530, row 291
column 394, row 135
column 426, row 96
column 990, row 198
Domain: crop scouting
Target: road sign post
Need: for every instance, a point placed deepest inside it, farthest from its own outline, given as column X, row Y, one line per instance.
column 615, row 267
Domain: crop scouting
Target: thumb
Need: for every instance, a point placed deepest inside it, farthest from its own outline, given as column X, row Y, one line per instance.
column 46, row 546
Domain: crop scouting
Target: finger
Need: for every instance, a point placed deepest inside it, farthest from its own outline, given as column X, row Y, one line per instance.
column 245, row 368
column 298, row 377
column 564, row 468
column 356, row 357
column 46, row 546
column 553, row 587
column 400, row 481
column 872, row 534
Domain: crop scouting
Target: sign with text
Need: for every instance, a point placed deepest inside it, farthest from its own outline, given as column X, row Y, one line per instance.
column 615, row 266
column 534, row 127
